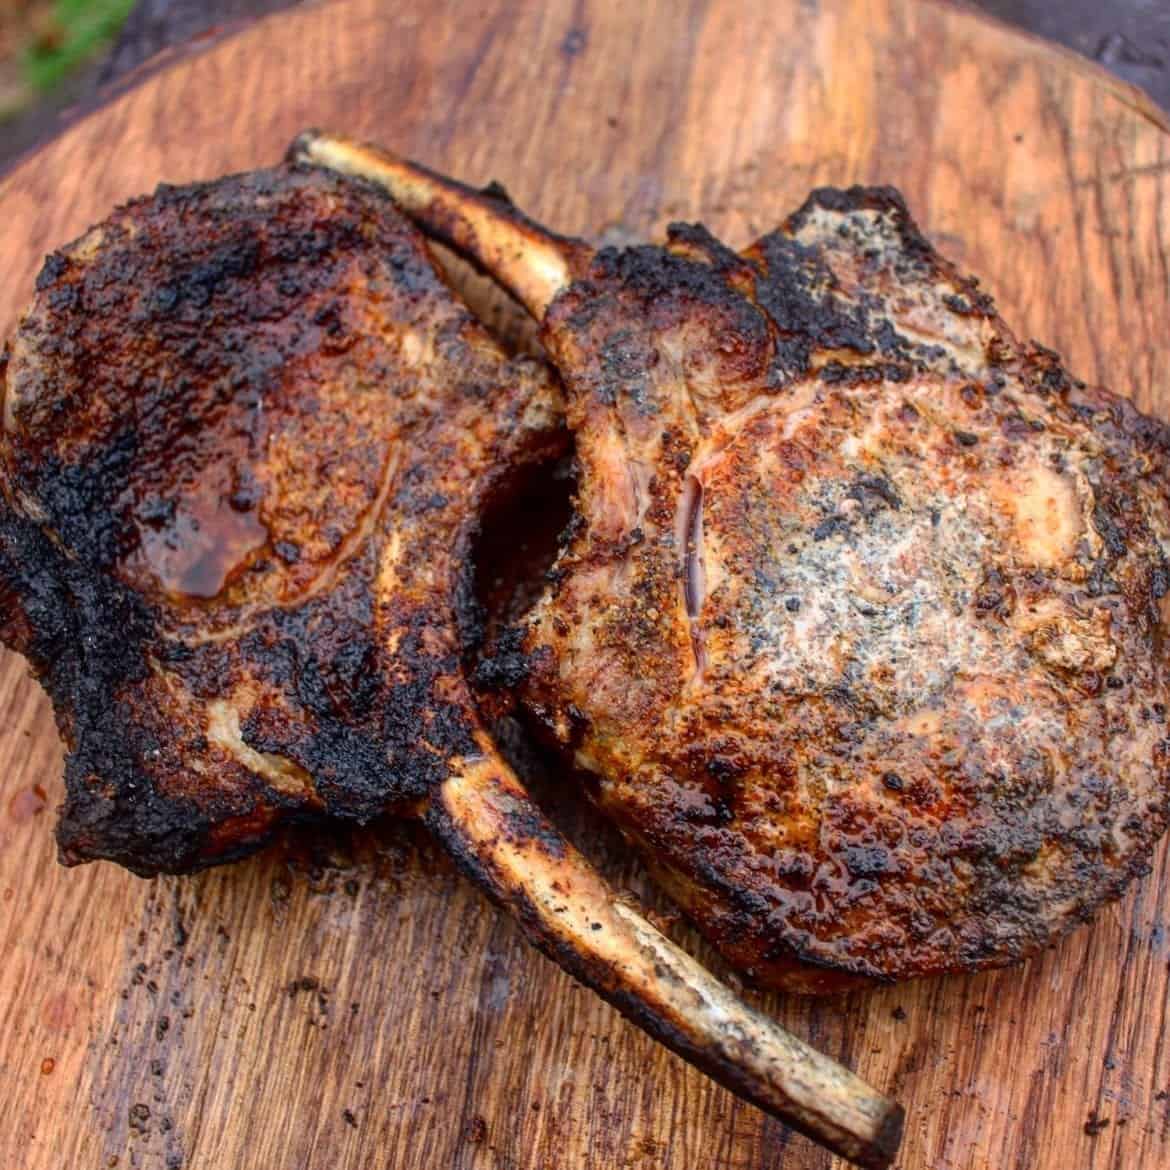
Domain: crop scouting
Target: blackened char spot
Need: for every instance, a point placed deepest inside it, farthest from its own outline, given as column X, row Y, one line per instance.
column 80, row 499
column 1109, row 531
column 868, row 860
column 798, row 291
column 496, row 191
column 86, row 641
column 866, row 373
column 508, row 666
column 697, row 240
column 361, row 765
column 54, row 269
column 874, row 491
column 829, row 526
column 974, row 304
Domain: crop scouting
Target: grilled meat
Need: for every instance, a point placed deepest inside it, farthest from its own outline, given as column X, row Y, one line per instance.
column 860, row 625
column 248, row 434
column 227, row 409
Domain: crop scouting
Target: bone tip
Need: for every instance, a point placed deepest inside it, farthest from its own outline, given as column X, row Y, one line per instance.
column 888, row 1138
column 301, row 148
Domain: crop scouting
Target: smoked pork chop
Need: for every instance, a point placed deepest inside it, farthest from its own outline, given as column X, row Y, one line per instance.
column 226, row 407
column 860, row 624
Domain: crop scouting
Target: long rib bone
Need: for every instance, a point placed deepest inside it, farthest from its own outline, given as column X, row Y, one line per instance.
column 500, row 838
column 528, row 260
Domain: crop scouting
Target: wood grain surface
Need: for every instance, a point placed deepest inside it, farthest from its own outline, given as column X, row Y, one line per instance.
column 348, row 1002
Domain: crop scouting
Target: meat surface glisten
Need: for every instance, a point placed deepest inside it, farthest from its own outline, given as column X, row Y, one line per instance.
column 859, row 627
column 248, row 434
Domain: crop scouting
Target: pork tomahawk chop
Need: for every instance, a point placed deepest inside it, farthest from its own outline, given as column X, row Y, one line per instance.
column 861, row 624
column 248, row 434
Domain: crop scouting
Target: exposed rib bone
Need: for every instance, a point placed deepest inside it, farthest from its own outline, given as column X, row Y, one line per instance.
column 532, row 263
column 503, row 841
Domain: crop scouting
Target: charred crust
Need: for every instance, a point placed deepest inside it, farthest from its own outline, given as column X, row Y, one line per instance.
column 498, row 193
column 508, row 665
column 86, row 638
column 860, row 374
column 660, row 289
column 225, row 334
column 695, row 240
column 913, row 842
column 798, row 291
column 372, row 734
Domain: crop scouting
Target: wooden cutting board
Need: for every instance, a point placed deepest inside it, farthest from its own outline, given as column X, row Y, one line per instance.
column 350, row 1003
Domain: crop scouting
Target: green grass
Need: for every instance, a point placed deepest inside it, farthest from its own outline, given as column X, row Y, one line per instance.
column 85, row 28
